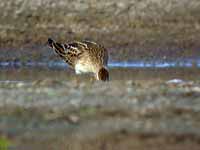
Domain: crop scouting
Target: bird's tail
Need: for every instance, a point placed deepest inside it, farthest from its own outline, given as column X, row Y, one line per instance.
column 58, row 48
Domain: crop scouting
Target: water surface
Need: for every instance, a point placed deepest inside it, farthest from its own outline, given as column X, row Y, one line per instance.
column 130, row 64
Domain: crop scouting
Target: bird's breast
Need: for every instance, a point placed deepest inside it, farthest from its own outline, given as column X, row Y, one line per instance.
column 83, row 68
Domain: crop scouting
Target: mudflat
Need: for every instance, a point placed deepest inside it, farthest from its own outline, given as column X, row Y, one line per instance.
column 145, row 29
column 137, row 108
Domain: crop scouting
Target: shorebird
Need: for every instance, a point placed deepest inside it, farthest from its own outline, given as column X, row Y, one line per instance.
column 84, row 57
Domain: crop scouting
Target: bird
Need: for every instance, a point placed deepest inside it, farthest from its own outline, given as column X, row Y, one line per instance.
column 84, row 57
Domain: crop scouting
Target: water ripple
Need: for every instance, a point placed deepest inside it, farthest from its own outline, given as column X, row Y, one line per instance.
column 132, row 64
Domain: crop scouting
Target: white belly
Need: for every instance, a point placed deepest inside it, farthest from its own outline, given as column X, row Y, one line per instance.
column 81, row 68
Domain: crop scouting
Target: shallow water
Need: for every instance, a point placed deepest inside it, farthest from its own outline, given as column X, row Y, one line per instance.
column 116, row 73
column 132, row 64
column 183, row 68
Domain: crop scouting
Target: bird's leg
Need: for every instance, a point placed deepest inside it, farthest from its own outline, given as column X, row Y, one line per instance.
column 92, row 79
column 77, row 80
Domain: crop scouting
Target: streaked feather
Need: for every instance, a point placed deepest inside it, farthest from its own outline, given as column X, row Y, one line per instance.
column 83, row 56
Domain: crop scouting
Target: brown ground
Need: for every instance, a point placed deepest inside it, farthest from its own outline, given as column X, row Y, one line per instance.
column 137, row 109
column 145, row 29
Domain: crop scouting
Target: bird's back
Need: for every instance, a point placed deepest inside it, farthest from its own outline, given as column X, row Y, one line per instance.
column 97, row 53
column 86, row 53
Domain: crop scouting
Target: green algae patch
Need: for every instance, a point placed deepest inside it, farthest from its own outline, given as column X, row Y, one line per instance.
column 4, row 143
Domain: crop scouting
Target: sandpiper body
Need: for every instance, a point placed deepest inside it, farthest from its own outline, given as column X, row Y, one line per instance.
column 84, row 57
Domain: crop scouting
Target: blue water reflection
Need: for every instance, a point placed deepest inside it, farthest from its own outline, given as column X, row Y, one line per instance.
column 132, row 64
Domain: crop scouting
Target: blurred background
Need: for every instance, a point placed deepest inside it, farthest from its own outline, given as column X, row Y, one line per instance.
column 136, row 29
column 152, row 100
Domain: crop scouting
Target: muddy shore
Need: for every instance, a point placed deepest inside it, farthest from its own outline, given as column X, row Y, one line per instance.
column 67, row 112
column 146, row 29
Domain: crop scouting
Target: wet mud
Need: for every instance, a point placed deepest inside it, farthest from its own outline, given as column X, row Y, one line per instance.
column 137, row 108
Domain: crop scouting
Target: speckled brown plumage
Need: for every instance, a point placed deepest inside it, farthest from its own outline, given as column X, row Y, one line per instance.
column 84, row 57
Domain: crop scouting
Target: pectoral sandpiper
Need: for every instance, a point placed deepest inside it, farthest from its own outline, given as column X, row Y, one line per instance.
column 84, row 57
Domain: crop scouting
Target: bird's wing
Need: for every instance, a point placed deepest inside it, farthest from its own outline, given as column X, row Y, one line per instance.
column 97, row 50
column 74, row 51
column 70, row 52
